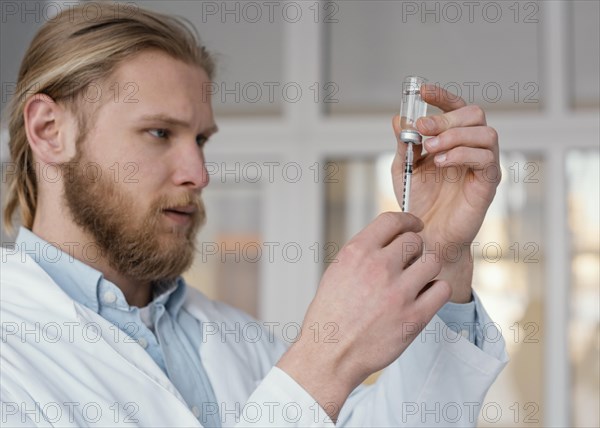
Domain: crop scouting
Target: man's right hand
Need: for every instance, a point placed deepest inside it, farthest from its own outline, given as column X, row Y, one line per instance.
column 374, row 301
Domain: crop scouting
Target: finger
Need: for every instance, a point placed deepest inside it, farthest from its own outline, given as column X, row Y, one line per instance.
column 406, row 249
column 471, row 115
column 434, row 296
column 441, row 98
column 422, row 271
column 475, row 159
column 386, row 227
column 482, row 137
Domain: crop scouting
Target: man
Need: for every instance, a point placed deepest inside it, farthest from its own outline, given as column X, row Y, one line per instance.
column 104, row 331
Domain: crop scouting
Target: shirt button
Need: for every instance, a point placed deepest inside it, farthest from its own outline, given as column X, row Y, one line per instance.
column 465, row 333
column 143, row 342
column 109, row 297
column 196, row 411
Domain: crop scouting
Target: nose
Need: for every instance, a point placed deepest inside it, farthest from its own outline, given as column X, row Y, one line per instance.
column 190, row 167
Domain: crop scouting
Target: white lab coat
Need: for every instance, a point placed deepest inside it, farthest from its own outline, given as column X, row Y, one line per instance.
column 63, row 365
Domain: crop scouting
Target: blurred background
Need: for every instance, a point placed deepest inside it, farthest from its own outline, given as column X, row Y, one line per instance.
column 304, row 97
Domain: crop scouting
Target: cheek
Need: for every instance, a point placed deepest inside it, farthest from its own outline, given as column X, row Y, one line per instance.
column 126, row 159
column 143, row 180
column 104, row 151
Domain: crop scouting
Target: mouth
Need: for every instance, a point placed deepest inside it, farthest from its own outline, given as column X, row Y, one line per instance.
column 182, row 214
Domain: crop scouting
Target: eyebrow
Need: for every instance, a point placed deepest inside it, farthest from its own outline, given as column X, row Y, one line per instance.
column 175, row 122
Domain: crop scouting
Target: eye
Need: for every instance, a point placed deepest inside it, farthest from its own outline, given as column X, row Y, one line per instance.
column 201, row 140
column 160, row 133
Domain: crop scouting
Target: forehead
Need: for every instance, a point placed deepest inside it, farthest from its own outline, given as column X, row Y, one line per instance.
column 153, row 82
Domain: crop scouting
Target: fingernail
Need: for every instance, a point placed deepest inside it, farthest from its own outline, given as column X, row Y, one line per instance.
column 427, row 123
column 432, row 143
column 440, row 158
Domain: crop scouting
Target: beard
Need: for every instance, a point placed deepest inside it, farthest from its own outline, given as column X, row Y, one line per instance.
column 143, row 249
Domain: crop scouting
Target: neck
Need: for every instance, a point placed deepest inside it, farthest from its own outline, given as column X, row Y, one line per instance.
column 81, row 246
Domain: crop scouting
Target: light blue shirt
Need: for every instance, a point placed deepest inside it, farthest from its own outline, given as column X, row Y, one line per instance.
column 170, row 335
column 462, row 318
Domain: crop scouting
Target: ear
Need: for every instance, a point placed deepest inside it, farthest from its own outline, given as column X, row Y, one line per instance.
column 49, row 128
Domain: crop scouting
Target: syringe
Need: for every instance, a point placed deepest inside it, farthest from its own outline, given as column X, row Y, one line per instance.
column 413, row 107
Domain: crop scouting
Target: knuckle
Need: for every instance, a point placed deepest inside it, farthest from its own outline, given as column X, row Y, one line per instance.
column 444, row 290
column 443, row 122
column 492, row 134
column 390, row 219
column 413, row 237
column 412, row 247
column 499, row 175
column 447, row 138
column 452, row 138
column 477, row 112
column 353, row 251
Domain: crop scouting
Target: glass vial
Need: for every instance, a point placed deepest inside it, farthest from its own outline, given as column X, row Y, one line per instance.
column 412, row 108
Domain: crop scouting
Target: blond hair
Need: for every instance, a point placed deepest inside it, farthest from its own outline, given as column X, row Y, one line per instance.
column 77, row 47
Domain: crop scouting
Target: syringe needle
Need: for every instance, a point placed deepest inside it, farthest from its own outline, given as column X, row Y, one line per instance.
column 408, row 167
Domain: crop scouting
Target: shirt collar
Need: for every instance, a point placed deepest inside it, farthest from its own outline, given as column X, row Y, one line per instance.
column 83, row 283
column 171, row 294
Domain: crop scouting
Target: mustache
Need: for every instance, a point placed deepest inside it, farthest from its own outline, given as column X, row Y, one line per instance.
column 168, row 202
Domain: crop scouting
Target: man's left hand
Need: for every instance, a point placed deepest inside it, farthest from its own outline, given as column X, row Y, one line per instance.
column 453, row 184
